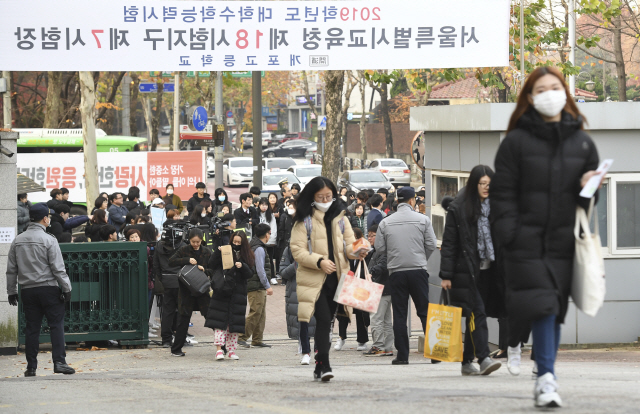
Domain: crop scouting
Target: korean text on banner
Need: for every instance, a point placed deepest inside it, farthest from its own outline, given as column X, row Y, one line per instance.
column 252, row 35
column 183, row 169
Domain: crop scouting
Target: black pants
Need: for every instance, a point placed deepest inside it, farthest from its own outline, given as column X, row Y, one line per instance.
column 169, row 314
column 181, row 332
column 362, row 321
column 414, row 283
column 324, row 310
column 36, row 303
column 271, row 249
column 476, row 343
column 503, row 333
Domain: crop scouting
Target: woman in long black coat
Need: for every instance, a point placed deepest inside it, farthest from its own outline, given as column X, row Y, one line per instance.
column 228, row 306
column 541, row 166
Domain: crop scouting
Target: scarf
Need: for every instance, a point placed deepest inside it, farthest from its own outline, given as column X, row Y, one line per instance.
column 485, row 244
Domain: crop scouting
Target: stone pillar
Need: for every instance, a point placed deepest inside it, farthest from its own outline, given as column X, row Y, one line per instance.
column 8, row 218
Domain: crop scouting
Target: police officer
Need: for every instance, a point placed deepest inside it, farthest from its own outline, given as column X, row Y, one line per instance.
column 35, row 262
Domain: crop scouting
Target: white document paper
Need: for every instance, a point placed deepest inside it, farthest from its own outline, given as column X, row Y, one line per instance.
column 594, row 182
column 7, row 234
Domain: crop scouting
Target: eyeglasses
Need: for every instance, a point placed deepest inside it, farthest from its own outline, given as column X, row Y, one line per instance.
column 320, row 199
column 484, row 185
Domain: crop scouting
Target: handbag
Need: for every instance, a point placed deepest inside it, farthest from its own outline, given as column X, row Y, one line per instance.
column 588, row 282
column 362, row 294
column 443, row 336
column 195, row 279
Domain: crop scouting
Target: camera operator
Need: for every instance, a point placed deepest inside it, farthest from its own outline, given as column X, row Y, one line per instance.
column 228, row 224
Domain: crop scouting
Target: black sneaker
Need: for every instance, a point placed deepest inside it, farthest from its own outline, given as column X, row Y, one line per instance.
column 244, row 344
column 178, row 354
column 397, row 361
column 166, row 344
column 317, row 373
column 327, row 374
column 30, row 372
column 260, row 345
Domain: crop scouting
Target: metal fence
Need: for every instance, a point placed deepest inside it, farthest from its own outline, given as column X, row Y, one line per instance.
column 109, row 297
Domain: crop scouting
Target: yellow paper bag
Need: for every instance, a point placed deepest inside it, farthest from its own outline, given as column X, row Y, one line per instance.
column 443, row 338
column 227, row 257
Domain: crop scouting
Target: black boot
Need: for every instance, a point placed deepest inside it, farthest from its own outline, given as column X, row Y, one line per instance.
column 62, row 368
column 327, row 374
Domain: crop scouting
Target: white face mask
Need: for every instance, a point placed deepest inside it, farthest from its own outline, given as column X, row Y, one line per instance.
column 203, row 215
column 550, row 103
column 169, row 191
column 323, row 206
column 291, row 211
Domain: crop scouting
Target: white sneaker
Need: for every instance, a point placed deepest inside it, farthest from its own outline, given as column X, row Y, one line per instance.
column 219, row 355
column 152, row 335
column 534, row 371
column 190, row 341
column 339, row 344
column 361, row 347
column 514, row 357
column 274, row 281
column 546, row 392
column 306, row 358
column 232, row 355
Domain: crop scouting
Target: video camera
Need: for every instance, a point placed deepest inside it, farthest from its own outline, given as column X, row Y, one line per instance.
column 175, row 232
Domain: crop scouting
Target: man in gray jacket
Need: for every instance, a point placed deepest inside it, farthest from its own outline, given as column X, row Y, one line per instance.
column 35, row 263
column 407, row 239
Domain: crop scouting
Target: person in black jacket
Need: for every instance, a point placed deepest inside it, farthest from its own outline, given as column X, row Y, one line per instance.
column 133, row 199
column 285, row 225
column 246, row 215
column 220, row 199
column 195, row 253
column 541, row 166
column 467, row 257
column 381, row 321
column 56, row 198
column 198, row 196
column 226, row 315
column 168, row 276
column 92, row 229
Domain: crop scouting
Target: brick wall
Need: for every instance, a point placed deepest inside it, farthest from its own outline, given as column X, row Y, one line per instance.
column 402, row 138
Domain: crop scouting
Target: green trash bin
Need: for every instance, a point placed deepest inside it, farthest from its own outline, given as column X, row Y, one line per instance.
column 109, row 297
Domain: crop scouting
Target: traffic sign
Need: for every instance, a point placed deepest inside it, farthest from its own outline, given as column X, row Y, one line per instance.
column 243, row 74
column 199, row 118
column 230, row 114
column 153, row 87
column 580, row 100
column 161, row 74
column 192, row 74
column 322, row 125
column 349, row 116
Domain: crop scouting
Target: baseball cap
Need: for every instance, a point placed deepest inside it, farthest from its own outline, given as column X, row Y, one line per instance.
column 157, row 201
column 39, row 211
column 405, row 193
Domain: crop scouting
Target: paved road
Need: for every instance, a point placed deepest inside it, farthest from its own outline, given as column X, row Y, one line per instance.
column 272, row 381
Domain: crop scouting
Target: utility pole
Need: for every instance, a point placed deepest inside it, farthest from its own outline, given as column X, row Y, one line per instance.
column 90, row 149
column 6, row 101
column 256, row 96
column 572, row 44
column 126, row 105
column 219, row 121
column 176, row 112
column 522, row 72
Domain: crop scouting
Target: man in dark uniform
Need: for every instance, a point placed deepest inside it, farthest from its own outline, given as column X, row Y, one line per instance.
column 35, row 263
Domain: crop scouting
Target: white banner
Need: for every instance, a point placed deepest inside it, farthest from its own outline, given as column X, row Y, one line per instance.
column 115, row 35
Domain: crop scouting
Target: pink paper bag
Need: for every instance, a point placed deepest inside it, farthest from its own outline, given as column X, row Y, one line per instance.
column 362, row 294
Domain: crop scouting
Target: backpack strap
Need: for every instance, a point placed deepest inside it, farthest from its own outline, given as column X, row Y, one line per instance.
column 309, row 226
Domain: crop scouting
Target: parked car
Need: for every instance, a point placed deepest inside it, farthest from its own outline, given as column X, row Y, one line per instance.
column 395, row 170
column 268, row 139
column 358, row 180
column 165, row 129
column 306, row 172
column 311, row 151
column 295, row 148
column 237, row 171
column 247, row 140
column 278, row 139
column 281, row 163
column 270, row 180
column 296, row 135
column 211, row 164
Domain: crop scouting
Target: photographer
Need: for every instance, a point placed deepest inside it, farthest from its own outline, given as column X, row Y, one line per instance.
column 246, row 215
column 228, row 223
column 192, row 254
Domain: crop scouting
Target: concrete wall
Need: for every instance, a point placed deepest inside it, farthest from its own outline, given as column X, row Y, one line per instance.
column 8, row 218
column 402, row 138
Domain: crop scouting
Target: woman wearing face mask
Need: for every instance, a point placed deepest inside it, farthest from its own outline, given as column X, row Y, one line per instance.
column 228, row 306
column 318, row 240
column 541, row 166
column 208, row 208
column 171, row 198
column 199, row 216
column 266, row 216
column 221, row 199
column 285, row 225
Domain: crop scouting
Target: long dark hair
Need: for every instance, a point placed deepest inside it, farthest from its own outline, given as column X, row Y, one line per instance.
column 269, row 213
column 306, row 199
column 99, row 217
column 523, row 106
column 149, row 232
column 196, row 215
column 471, row 197
column 245, row 250
column 217, row 193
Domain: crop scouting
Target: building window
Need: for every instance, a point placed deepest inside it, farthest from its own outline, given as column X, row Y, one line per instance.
column 603, row 213
column 624, row 210
column 445, row 186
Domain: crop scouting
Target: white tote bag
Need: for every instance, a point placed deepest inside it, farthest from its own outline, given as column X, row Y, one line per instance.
column 588, row 284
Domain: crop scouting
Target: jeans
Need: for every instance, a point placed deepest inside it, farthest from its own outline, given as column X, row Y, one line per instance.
column 476, row 343
column 36, row 303
column 324, row 310
column 414, row 283
column 382, row 325
column 305, row 344
column 546, row 339
column 169, row 320
column 254, row 324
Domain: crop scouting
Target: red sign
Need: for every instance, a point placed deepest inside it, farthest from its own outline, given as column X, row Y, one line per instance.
column 272, row 127
column 183, row 169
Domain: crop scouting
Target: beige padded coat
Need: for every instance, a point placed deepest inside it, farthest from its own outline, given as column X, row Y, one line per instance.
column 309, row 278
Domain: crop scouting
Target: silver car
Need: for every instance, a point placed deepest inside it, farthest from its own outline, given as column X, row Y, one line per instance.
column 359, row 180
column 395, row 170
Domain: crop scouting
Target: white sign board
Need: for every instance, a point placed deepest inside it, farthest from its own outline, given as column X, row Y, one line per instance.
column 322, row 125
column 7, row 234
column 115, row 35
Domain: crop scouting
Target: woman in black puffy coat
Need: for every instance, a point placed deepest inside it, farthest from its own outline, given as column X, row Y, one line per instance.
column 228, row 306
column 541, row 166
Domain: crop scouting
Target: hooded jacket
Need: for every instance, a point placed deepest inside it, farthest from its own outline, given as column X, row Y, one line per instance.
column 195, row 200
column 23, row 216
column 187, row 303
column 534, row 195
column 288, row 273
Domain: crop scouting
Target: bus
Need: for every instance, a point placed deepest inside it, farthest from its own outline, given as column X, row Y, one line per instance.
column 43, row 140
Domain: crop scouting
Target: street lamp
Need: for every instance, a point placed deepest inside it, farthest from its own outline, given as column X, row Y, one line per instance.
column 590, row 84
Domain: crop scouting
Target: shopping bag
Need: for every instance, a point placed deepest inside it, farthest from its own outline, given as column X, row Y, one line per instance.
column 588, row 283
column 443, row 338
column 227, row 257
column 195, row 279
column 359, row 293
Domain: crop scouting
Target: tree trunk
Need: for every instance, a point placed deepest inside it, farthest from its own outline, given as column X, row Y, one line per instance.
column 115, row 84
column 363, row 118
column 155, row 122
column 345, row 111
column 54, row 102
column 133, row 105
column 619, row 57
column 146, row 110
column 334, row 82
column 90, row 150
column 384, row 107
column 167, row 113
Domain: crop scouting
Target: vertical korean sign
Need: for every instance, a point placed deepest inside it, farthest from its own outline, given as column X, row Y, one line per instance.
column 115, row 35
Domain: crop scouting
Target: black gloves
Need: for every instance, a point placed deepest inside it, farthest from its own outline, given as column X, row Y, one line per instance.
column 65, row 296
column 13, row 300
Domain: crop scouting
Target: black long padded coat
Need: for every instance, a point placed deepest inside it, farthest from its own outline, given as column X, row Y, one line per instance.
column 534, row 195
column 229, row 311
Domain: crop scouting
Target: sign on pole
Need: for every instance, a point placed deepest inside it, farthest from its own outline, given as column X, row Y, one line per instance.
column 322, row 125
column 153, row 87
column 199, row 118
column 118, row 35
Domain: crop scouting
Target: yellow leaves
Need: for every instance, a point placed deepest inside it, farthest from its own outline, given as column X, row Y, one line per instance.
column 593, row 64
column 584, row 63
column 587, row 57
column 601, row 62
